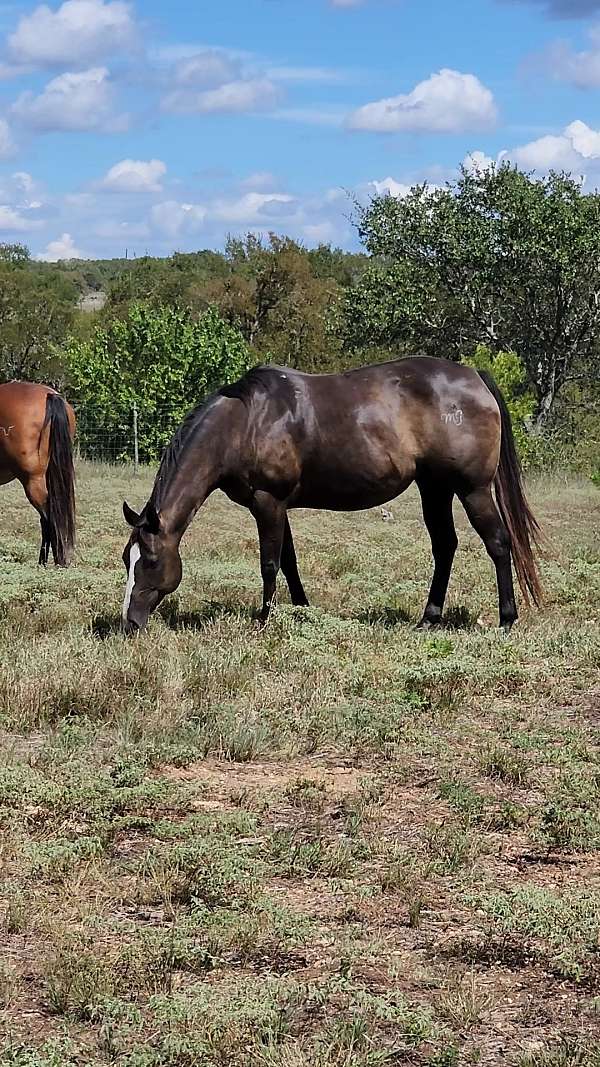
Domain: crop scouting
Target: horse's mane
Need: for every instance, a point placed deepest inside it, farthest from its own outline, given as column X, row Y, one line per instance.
column 244, row 389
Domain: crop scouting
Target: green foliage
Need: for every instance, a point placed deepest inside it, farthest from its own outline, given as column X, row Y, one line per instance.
column 277, row 295
column 496, row 258
column 558, row 927
column 159, row 359
column 36, row 309
column 511, row 377
column 15, row 254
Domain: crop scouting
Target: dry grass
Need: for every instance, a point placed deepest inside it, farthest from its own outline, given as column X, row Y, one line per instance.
column 336, row 842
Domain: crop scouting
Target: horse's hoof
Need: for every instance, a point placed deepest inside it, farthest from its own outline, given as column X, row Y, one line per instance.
column 428, row 624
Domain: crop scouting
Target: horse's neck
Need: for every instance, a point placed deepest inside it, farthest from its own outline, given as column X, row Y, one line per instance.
column 198, row 472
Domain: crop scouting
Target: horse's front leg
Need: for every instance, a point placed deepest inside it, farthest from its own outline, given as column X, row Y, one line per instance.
column 270, row 516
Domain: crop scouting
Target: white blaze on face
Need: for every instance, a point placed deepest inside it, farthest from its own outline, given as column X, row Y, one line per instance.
column 134, row 555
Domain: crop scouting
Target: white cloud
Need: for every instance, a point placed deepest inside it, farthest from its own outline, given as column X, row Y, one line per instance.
column 119, row 232
column 262, row 180
column 446, row 102
column 572, row 150
column 81, row 202
column 24, row 181
column 207, row 69
column 253, row 208
column 173, row 219
column 391, row 187
column 9, row 71
column 318, row 233
column 215, row 80
column 7, row 145
column 77, row 33
column 477, row 162
column 576, row 150
column 63, row 247
column 73, row 101
column 135, row 176
column 578, row 68
column 12, row 221
column 23, row 194
column 237, row 97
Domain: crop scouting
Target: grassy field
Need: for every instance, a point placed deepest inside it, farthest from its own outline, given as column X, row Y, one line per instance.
column 335, row 842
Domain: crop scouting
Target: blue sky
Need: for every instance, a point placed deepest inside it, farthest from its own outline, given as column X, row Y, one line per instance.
column 156, row 126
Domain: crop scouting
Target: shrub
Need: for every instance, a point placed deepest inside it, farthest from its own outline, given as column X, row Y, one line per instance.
column 161, row 360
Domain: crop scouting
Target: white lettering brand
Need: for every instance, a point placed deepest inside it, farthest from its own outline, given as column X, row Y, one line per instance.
column 134, row 555
column 456, row 417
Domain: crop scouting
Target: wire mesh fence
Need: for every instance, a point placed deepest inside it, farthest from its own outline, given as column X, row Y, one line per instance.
column 137, row 439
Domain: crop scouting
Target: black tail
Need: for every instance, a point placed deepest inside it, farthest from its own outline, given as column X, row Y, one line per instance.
column 522, row 525
column 60, row 480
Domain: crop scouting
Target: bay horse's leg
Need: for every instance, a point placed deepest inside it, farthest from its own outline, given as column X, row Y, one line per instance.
column 270, row 515
column 439, row 520
column 289, row 566
column 485, row 518
column 37, row 495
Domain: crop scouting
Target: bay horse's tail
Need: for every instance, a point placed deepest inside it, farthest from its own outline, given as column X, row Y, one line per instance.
column 522, row 525
column 60, row 480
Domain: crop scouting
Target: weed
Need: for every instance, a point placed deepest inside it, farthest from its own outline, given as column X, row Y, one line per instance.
column 469, row 804
column 565, row 1054
column 463, row 1001
column 306, row 793
column 560, row 929
column 451, row 847
column 505, row 765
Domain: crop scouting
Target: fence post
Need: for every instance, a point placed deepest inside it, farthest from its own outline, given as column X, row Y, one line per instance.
column 136, row 449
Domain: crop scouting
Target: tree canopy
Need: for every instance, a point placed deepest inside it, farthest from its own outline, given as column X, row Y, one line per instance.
column 160, row 361
column 496, row 258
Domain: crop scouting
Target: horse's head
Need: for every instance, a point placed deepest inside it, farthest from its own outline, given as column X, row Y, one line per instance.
column 153, row 565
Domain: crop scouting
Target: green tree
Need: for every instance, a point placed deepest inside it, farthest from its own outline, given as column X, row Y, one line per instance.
column 160, row 360
column 278, row 297
column 15, row 254
column 496, row 258
column 37, row 305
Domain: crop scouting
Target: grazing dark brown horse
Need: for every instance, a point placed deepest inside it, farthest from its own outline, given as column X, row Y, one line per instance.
column 36, row 446
column 279, row 439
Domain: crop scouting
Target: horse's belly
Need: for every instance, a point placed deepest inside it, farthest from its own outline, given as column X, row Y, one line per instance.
column 352, row 491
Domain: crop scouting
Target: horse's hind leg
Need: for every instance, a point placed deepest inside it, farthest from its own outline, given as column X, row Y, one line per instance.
column 289, row 566
column 270, row 515
column 485, row 518
column 437, row 513
column 37, row 494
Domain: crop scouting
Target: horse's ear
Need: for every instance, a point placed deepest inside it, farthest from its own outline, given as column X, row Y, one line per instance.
column 131, row 516
column 151, row 518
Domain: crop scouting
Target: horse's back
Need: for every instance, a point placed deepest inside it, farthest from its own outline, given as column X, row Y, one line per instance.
column 433, row 408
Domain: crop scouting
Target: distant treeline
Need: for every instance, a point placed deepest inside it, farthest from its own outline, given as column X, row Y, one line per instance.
column 498, row 268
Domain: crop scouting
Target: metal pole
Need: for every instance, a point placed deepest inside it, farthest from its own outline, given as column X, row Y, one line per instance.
column 136, row 450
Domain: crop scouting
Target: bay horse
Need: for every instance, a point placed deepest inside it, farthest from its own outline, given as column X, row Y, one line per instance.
column 279, row 439
column 37, row 427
